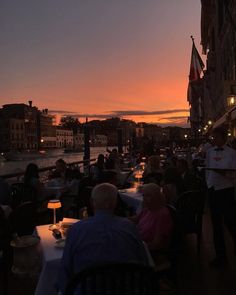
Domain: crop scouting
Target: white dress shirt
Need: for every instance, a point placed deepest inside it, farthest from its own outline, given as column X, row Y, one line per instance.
column 222, row 158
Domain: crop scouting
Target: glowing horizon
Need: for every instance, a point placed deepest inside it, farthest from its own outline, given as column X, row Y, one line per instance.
column 90, row 57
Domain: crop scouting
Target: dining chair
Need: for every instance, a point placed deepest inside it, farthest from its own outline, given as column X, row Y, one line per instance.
column 17, row 192
column 22, row 219
column 5, row 252
column 190, row 209
column 114, row 278
column 21, row 193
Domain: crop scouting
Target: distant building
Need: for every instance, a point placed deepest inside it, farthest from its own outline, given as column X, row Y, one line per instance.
column 64, row 138
column 47, row 131
column 28, row 116
column 152, row 131
column 175, row 134
column 12, row 134
column 99, row 140
column 111, row 138
column 78, row 140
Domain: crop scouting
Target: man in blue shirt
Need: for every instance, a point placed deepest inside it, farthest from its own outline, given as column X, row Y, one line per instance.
column 102, row 238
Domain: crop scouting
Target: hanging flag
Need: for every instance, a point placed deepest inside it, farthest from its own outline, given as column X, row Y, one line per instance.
column 196, row 68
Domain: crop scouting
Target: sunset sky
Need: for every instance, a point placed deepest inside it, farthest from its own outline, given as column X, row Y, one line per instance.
column 99, row 58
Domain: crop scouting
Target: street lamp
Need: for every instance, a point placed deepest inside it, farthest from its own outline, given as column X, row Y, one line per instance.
column 209, row 122
column 231, row 99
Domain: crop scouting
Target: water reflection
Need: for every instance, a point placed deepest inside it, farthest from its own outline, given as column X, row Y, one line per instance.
column 47, row 160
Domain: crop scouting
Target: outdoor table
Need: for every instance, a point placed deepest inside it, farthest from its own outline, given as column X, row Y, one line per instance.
column 133, row 198
column 51, row 257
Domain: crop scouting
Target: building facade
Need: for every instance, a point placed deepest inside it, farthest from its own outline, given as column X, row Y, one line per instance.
column 47, row 131
column 78, row 140
column 99, row 140
column 218, row 33
column 64, row 138
column 12, row 134
column 25, row 116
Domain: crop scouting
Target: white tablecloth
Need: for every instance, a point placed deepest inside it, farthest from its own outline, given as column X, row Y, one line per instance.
column 51, row 260
column 132, row 198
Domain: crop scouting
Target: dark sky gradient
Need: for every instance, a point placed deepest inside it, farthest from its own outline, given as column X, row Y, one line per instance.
column 98, row 56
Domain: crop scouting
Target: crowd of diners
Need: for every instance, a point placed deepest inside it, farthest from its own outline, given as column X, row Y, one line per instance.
column 174, row 177
column 112, row 232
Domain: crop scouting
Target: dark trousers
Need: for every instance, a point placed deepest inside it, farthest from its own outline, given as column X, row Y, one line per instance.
column 222, row 207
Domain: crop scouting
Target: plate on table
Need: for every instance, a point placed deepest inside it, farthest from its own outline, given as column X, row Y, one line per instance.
column 60, row 243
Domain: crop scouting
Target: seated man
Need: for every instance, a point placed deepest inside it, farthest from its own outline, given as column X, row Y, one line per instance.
column 154, row 222
column 102, row 238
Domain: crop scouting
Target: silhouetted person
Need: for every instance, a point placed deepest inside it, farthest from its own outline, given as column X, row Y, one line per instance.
column 220, row 184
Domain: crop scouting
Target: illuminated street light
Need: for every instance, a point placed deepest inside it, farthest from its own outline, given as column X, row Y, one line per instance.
column 41, row 140
column 231, row 100
column 185, row 136
column 199, row 130
column 209, row 122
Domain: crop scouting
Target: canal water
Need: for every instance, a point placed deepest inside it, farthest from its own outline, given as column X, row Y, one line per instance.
column 47, row 159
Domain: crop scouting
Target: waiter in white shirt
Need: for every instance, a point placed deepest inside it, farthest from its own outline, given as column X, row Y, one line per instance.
column 220, row 182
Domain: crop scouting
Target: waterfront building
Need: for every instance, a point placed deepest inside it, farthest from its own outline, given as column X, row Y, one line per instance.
column 12, row 134
column 218, row 34
column 64, row 138
column 47, row 131
column 111, row 137
column 28, row 115
column 78, row 140
column 152, row 131
column 98, row 140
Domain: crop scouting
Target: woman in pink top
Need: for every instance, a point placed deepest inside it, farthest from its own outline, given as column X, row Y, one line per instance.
column 154, row 222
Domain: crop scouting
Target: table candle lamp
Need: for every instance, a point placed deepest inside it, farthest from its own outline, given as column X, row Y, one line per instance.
column 54, row 204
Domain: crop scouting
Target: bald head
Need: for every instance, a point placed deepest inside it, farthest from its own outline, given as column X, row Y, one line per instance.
column 104, row 196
